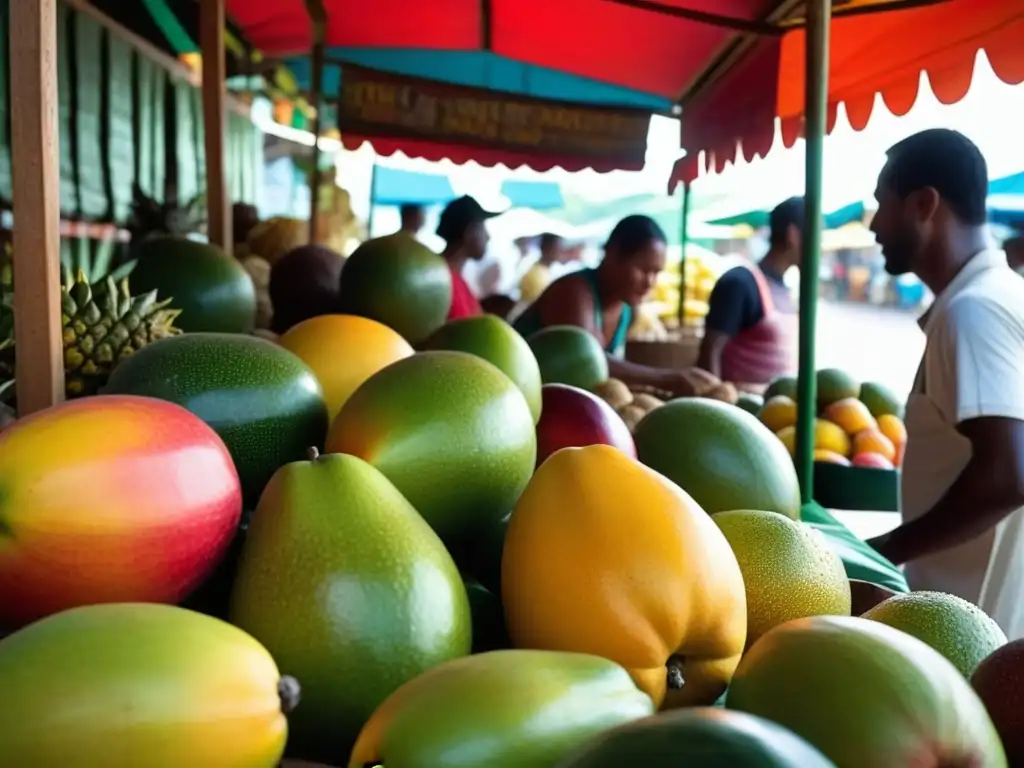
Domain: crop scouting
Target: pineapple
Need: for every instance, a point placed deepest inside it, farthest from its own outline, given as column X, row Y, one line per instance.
column 150, row 218
column 101, row 325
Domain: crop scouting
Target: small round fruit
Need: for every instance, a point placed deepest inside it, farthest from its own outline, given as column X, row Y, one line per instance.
column 778, row 412
column 873, row 441
column 851, row 415
column 827, row 437
column 893, row 427
column 871, row 461
column 830, row 457
column 343, row 351
column 999, row 681
column 957, row 629
column 789, row 570
column 572, row 418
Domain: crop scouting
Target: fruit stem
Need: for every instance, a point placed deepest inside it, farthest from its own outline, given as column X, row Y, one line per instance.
column 312, row 453
column 289, row 692
column 675, row 674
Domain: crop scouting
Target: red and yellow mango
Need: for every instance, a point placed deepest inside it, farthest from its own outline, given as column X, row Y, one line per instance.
column 110, row 499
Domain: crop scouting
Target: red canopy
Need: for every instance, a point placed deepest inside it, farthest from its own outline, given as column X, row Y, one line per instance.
column 883, row 54
column 603, row 40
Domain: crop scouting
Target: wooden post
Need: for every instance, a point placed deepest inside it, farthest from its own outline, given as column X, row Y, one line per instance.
column 218, row 203
column 38, row 345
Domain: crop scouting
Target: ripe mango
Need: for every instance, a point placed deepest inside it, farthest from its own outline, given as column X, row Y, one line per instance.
column 606, row 556
column 503, row 709
column 123, row 685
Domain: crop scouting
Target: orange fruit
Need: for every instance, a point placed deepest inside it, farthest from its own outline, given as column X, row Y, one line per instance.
column 778, row 413
column 830, row 457
column 850, row 414
column 343, row 351
column 873, row 441
column 827, row 437
column 893, row 427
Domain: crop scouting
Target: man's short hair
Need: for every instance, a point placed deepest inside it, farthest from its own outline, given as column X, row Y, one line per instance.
column 787, row 213
column 948, row 162
column 408, row 210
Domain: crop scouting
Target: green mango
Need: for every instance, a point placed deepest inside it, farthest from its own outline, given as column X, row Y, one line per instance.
column 702, row 737
column 126, row 685
column 350, row 590
column 504, row 709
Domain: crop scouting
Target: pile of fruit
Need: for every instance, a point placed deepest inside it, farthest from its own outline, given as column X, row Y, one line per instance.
column 700, row 279
column 393, row 541
column 857, row 425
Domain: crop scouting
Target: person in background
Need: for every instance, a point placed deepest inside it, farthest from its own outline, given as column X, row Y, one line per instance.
column 750, row 331
column 538, row 277
column 963, row 470
column 462, row 227
column 1014, row 248
column 304, row 283
column 414, row 217
column 602, row 300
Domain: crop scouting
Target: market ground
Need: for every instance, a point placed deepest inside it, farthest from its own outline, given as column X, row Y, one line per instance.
column 872, row 344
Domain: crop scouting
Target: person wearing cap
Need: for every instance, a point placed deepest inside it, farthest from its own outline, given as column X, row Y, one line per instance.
column 751, row 329
column 962, row 484
column 603, row 301
column 464, row 232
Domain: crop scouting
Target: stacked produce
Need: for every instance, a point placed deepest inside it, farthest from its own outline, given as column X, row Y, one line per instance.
column 858, row 424
column 701, row 275
column 345, row 551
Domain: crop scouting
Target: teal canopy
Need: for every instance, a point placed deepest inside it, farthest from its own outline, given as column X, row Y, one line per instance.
column 393, row 186
column 538, row 195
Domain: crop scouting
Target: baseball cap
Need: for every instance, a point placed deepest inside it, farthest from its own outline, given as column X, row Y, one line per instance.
column 459, row 214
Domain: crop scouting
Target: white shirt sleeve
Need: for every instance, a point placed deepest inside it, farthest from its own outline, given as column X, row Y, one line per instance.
column 977, row 365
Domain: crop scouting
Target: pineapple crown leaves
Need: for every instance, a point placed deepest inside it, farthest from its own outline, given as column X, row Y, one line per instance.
column 151, row 217
column 7, row 391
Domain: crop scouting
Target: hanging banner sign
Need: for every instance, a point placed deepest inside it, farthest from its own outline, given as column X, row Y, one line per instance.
column 377, row 104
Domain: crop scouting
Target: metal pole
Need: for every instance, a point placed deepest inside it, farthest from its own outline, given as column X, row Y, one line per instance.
column 373, row 200
column 819, row 13
column 318, row 18
column 684, row 235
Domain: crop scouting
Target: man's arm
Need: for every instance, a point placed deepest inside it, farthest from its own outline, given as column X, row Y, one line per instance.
column 728, row 308
column 990, row 487
column 981, row 350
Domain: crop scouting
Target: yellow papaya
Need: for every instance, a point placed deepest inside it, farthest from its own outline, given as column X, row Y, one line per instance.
column 606, row 556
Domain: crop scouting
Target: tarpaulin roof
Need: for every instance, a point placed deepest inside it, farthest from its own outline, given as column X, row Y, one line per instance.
column 883, row 53
column 394, row 186
column 582, row 51
column 732, row 80
column 539, row 195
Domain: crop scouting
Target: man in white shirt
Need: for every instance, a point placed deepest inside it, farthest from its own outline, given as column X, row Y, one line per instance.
column 963, row 472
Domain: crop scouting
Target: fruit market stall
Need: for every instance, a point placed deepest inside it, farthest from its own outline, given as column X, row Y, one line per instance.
column 940, row 39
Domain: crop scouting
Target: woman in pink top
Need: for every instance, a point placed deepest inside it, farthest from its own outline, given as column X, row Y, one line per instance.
column 751, row 329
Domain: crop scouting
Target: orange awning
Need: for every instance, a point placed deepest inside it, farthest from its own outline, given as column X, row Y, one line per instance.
column 883, row 53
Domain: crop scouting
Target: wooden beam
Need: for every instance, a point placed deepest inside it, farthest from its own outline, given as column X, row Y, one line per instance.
column 212, row 19
column 34, row 156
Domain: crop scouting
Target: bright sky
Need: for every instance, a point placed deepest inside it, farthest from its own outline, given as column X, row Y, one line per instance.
column 991, row 114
